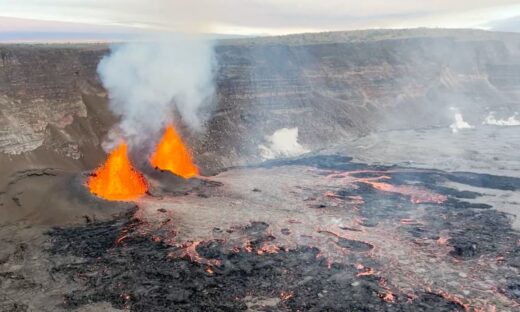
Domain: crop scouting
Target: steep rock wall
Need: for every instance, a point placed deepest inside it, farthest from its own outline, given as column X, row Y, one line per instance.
column 332, row 86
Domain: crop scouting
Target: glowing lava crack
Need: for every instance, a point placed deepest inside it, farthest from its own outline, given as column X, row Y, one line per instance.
column 117, row 179
column 172, row 155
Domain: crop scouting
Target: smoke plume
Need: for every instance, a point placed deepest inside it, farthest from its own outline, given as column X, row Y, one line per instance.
column 149, row 81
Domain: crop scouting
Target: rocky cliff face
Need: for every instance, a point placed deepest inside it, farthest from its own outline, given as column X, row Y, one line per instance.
column 52, row 109
column 331, row 86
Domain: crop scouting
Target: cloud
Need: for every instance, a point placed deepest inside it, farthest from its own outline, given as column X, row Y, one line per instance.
column 259, row 16
column 28, row 30
column 508, row 24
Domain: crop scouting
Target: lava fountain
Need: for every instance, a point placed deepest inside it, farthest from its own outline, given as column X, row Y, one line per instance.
column 171, row 154
column 117, row 179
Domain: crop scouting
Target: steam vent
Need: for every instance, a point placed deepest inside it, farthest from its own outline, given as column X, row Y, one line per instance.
column 374, row 170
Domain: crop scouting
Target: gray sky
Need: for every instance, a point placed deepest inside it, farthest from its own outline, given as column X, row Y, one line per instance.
column 252, row 17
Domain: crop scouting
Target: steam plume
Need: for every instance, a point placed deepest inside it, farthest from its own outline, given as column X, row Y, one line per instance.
column 283, row 143
column 459, row 124
column 510, row 121
column 148, row 81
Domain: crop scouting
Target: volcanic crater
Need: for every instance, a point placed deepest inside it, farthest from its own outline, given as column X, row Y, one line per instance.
column 376, row 215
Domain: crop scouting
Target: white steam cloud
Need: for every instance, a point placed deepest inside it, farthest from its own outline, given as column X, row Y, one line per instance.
column 459, row 124
column 492, row 120
column 283, row 143
column 149, row 81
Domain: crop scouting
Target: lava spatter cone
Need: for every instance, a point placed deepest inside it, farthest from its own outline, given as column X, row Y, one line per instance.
column 171, row 154
column 117, row 179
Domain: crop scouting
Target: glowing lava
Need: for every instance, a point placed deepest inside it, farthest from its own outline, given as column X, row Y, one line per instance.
column 417, row 195
column 171, row 154
column 117, row 179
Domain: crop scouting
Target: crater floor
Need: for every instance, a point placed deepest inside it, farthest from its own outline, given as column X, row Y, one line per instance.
column 312, row 233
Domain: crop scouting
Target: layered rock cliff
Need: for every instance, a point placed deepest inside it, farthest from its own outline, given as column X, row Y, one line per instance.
column 332, row 86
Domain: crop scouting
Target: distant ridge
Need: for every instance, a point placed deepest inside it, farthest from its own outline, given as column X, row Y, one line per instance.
column 374, row 35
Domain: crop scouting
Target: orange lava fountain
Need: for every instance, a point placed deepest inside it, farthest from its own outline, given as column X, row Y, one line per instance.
column 117, row 179
column 171, row 154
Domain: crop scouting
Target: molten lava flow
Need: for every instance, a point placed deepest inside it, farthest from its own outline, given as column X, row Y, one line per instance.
column 171, row 154
column 189, row 250
column 117, row 179
column 364, row 271
column 417, row 195
column 268, row 248
column 286, row 295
